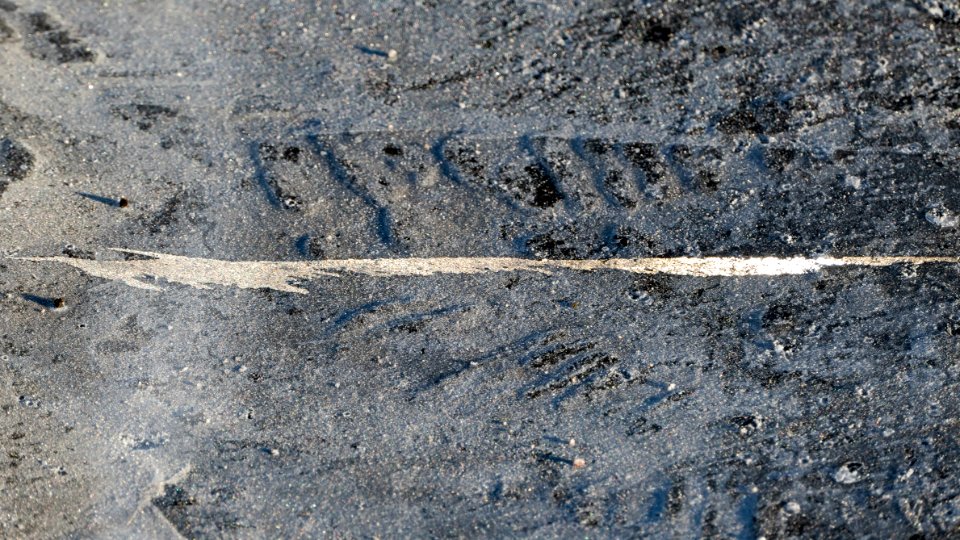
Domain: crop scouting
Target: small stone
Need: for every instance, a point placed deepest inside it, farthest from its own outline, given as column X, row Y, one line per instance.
column 274, row 452
column 848, row 473
column 392, row 55
column 792, row 507
column 941, row 217
column 579, row 463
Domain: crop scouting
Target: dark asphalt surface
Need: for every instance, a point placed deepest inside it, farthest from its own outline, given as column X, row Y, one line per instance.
column 491, row 405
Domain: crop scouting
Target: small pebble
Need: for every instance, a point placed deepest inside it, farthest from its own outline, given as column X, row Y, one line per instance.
column 941, row 217
column 579, row 463
column 848, row 473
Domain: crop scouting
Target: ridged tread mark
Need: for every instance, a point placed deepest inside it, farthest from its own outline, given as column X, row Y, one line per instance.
column 560, row 352
column 51, row 42
column 348, row 315
column 526, row 172
column 608, row 180
column 580, row 371
column 414, row 322
column 446, row 162
column 572, row 368
column 460, row 166
column 522, row 346
column 346, row 179
column 650, row 169
column 262, row 175
column 545, row 187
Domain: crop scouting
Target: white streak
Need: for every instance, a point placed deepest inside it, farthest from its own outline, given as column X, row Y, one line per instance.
column 279, row 275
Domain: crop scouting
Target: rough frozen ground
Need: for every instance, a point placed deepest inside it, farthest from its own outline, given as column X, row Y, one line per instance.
column 820, row 405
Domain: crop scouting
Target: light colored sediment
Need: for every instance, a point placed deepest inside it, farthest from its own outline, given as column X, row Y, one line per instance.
column 280, row 275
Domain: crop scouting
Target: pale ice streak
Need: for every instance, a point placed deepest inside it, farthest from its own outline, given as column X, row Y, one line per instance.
column 281, row 275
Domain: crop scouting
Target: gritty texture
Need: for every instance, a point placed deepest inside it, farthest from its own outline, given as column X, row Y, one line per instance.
column 561, row 404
